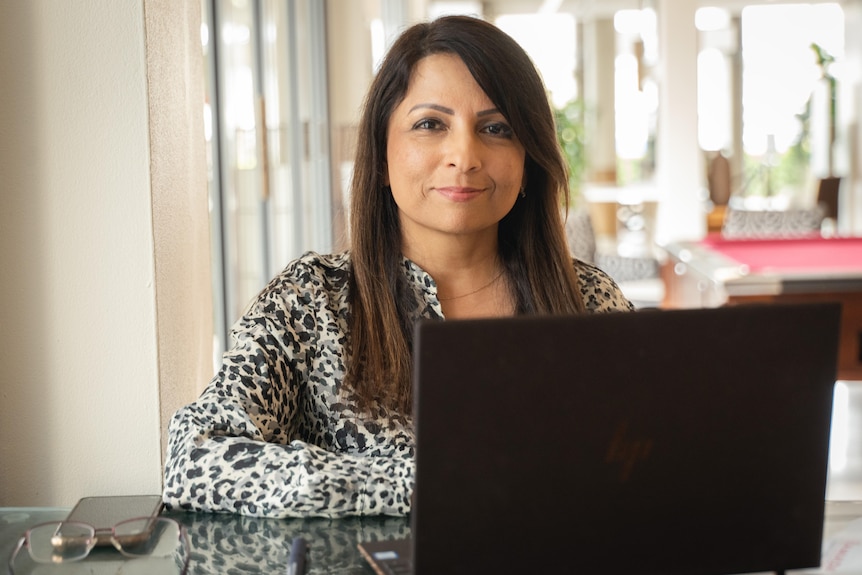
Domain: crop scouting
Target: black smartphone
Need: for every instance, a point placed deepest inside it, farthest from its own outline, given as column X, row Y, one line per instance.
column 106, row 511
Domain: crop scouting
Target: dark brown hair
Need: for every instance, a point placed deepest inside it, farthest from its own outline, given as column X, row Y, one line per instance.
column 532, row 240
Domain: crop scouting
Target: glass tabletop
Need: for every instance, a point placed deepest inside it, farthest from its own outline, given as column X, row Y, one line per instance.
column 237, row 544
column 222, row 543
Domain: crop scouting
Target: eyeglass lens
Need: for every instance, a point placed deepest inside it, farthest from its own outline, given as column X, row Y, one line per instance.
column 58, row 542
column 147, row 537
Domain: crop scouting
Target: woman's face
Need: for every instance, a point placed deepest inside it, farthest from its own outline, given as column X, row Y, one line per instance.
column 454, row 165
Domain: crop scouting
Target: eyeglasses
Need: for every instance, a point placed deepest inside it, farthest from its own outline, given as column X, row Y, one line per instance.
column 143, row 537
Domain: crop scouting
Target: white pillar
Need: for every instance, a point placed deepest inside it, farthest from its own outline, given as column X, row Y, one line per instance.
column 679, row 160
column 850, row 218
column 599, row 51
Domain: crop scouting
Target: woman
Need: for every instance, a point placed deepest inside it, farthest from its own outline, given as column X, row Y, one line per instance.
column 456, row 213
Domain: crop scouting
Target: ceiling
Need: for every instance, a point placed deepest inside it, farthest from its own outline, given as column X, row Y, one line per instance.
column 590, row 8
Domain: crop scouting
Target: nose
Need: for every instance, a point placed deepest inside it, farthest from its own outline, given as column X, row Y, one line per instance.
column 463, row 150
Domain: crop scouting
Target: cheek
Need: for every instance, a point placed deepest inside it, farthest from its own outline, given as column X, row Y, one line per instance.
column 406, row 165
column 514, row 171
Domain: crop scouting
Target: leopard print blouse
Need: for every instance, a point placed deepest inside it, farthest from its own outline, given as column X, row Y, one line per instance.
column 275, row 435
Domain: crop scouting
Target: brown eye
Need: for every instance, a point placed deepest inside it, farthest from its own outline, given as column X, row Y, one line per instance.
column 499, row 129
column 427, row 124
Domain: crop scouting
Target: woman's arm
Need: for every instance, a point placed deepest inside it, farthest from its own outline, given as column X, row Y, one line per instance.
column 239, row 447
column 216, row 464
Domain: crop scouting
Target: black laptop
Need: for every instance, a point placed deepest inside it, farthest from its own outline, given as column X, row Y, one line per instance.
column 653, row 442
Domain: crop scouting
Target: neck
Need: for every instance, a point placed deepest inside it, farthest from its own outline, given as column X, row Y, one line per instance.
column 481, row 288
column 448, row 258
column 467, row 270
column 470, row 298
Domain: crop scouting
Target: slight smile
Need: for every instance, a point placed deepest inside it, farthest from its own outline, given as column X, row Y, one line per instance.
column 458, row 193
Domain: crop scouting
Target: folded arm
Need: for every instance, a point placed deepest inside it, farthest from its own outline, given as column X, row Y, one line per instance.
column 238, row 449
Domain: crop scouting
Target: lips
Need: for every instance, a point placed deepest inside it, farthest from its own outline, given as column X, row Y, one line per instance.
column 459, row 193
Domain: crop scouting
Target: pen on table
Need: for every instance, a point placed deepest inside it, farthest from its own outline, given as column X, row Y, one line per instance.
column 296, row 563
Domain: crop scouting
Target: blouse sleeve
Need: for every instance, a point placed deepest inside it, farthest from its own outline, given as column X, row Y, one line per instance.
column 600, row 292
column 236, row 449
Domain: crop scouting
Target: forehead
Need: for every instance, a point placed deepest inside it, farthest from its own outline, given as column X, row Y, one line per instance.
column 444, row 76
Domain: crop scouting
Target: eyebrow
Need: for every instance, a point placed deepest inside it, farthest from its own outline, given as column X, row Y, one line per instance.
column 450, row 111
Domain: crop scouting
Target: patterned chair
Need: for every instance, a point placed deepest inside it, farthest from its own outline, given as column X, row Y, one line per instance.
column 581, row 236
column 790, row 223
column 638, row 277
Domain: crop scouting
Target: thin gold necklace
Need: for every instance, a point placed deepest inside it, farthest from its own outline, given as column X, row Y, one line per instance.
column 486, row 286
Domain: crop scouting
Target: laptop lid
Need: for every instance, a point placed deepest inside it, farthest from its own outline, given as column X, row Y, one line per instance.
column 687, row 441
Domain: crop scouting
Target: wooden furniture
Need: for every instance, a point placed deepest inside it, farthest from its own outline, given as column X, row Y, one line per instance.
column 718, row 271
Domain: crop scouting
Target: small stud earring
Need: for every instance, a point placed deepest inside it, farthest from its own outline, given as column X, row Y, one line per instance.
column 522, row 193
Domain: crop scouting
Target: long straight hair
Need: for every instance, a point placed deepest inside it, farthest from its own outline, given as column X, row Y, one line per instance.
column 532, row 241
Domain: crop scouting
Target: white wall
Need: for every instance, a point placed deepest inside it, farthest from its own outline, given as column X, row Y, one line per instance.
column 82, row 374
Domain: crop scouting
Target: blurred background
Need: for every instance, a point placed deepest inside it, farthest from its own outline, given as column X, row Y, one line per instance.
column 670, row 114
column 651, row 97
